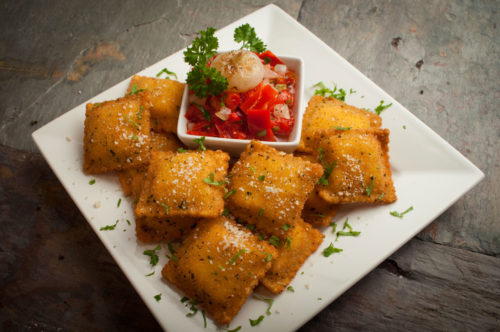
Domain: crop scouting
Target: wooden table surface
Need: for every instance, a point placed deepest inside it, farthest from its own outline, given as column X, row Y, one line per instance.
column 440, row 59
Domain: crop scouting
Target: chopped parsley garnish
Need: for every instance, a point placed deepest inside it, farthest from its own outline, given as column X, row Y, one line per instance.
column 400, row 215
column 380, row 108
column 166, row 71
column 286, row 227
column 251, row 168
column 288, row 242
column 229, row 193
column 246, row 34
column 267, row 60
column 330, row 250
column 134, row 137
column 150, row 274
column 290, row 289
column 139, row 115
column 205, row 113
column 381, row 196
column 210, row 180
column 135, row 90
column 369, row 189
column 351, row 91
column 325, row 92
column 200, row 141
column 235, row 257
column 269, row 301
column 184, row 299
column 262, row 133
column 204, row 319
column 119, row 202
column 236, row 329
column 346, row 224
column 136, row 200
column 268, row 256
column 202, row 49
column 250, row 227
column 404, row 127
column 275, row 241
column 95, row 105
column 350, row 233
column 91, row 182
column 334, row 226
column 225, row 213
column 192, row 307
column 132, row 122
column 321, row 154
column 261, row 212
column 165, row 207
column 254, row 322
column 158, row 297
column 181, row 150
column 172, row 252
column 109, row 227
column 128, row 222
column 153, row 256
column 342, row 128
column 326, row 174
column 261, row 177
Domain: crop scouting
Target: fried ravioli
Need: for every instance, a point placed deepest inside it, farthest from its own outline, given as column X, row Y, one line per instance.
column 117, row 134
column 166, row 98
column 326, row 113
column 268, row 188
column 357, row 168
column 219, row 264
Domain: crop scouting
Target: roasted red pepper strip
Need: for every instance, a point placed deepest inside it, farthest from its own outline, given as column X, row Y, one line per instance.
column 259, row 124
column 251, row 97
column 266, row 97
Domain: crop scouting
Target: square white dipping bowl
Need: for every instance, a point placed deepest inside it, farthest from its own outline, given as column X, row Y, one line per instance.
column 235, row 146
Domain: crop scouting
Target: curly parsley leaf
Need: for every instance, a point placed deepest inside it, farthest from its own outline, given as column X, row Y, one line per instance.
column 246, row 34
column 203, row 80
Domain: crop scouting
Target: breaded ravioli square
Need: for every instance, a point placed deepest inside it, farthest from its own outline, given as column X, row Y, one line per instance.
column 117, row 134
column 357, row 168
column 302, row 240
column 326, row 113
column 219, row 264
column 268, row 188
column 317, row 211
column 166, row 98
column 132, row 179
column 150, row 230
column 184, row 184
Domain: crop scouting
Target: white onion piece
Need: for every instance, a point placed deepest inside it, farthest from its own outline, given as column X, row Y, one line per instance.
column 281, row 111
column 223, row 114
column 243, row 69
column 280, row 69
column 190, row 126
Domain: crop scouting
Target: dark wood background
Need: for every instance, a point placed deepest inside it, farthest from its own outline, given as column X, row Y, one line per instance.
column 440, row 59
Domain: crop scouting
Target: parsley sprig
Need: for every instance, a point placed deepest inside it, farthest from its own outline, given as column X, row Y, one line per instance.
column 246, row 34
column 326, row 174
column 211, row 180
column 202, row 79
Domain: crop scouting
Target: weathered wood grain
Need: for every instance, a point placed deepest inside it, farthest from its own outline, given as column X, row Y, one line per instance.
column 54, row 272
column 423, row 287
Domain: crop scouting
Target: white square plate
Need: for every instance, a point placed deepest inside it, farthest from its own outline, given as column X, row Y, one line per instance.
column 428, row 173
